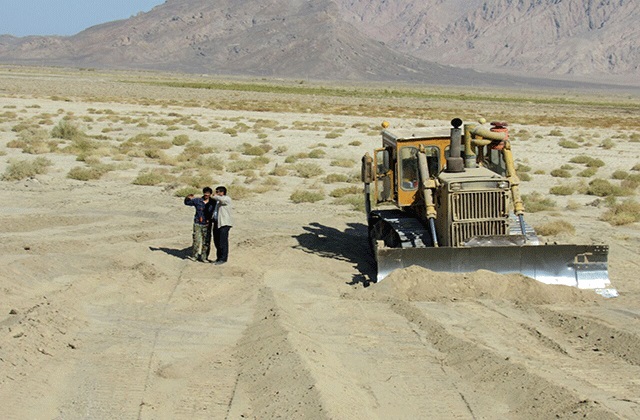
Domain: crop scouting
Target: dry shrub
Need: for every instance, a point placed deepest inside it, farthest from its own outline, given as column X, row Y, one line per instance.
column 88, row 173
column 523, row 176
column 317, row 154
column 560, row 173
column 623, row 213
column 573, row 205
column 619, row 175
column 251, row 150
column 279, row 171
column 33, row 141
column 143, row 142
column 568, row 144
column 280, row 150
column 555, row 227
column 341, row 192
column 536, row 202
column 355, row 201
column 588, row 161
column 199, row 179
column 193, row 150
column 22, row 169
column 67, row 130
column 588, row 173
column 183, row 192
column 603, row 188
column 595, row 163
column 308, row 170
column 331, row 178
column 607, row 144
column 261, row 124
column 180, row 140
column 630, row 184
column 343, row 163
column 271, row 181
column 562, row 189
column 153, row 177
column 305, row 196
column 239, row 192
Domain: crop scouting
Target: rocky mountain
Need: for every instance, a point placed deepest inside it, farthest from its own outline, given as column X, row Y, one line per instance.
column 591, row 38
column 383, row 40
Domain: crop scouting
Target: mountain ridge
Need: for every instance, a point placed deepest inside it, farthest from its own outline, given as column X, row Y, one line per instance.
column 437, row 41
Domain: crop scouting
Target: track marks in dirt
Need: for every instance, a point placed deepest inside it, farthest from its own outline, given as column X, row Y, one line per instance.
column 271, row 373
column 593, row 335
column 486, row 375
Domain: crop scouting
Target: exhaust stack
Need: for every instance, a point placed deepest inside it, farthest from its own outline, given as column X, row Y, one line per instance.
column 455, row 163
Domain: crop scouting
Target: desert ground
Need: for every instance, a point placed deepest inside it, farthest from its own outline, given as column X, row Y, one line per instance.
column 103, row 316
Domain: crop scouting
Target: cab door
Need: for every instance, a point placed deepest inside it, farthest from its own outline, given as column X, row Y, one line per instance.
column 384, row 176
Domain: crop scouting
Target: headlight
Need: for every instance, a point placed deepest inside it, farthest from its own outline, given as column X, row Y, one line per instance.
column 503, row 185
column 456, row 186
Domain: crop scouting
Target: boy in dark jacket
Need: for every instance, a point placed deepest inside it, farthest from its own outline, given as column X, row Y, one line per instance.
column 201, row 224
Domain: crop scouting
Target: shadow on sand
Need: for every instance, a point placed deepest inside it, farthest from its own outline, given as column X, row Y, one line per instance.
column 178, row 253
column 351, row 245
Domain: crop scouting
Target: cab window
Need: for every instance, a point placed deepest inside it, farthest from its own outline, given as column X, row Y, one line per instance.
column 409, row 168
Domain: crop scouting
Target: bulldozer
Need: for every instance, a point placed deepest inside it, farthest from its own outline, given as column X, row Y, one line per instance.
column 449, row 200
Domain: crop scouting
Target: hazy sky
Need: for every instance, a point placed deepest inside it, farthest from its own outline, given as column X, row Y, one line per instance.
column 64, row 17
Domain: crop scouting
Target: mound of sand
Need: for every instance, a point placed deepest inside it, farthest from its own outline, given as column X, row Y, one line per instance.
column 420, row 284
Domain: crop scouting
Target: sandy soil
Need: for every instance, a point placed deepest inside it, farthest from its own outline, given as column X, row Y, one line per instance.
column 102, row 315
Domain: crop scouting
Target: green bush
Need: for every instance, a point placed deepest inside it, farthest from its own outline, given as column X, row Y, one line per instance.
column 22, row 169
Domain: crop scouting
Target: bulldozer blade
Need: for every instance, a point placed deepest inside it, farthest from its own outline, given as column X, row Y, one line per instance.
column 582, row 266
